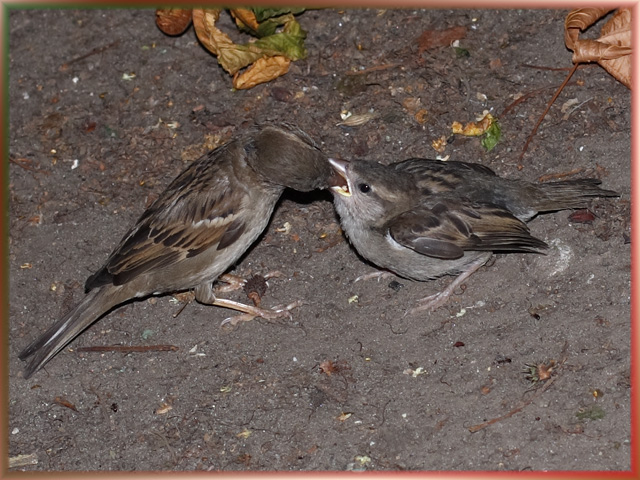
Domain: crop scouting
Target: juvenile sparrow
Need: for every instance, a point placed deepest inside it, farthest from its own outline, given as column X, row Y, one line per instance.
column 197, row 228
column 422, row 219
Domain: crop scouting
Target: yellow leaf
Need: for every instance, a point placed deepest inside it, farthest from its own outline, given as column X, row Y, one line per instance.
column 473, row 129
column 262, row 71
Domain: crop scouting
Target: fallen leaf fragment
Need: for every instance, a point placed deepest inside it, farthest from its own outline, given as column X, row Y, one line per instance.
column 487, row 126
column 492, row 137
column 473, row 129
column 439, row 144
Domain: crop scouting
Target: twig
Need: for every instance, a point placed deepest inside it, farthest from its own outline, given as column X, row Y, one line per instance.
column 23, row 163
column 512, row 412
column 522, row 405
column 129, row 349
column 558, row 176
column 539, row 67
column 95, row 51
column 524, row 97
column 553, row 99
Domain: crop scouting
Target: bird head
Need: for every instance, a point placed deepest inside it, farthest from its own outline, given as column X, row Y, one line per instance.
column 285, row 155
column 370, row 191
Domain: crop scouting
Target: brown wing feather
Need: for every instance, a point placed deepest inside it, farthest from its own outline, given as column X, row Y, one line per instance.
column 448, row 228
column 193, row 214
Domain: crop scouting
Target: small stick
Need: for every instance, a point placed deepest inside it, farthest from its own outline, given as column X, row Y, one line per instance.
column 552, row 69
column 517, row 409
column 95, row 51
column 553, row 99
column 558, row 176
column 545, row 387
column 24, row 164
column 129, row 349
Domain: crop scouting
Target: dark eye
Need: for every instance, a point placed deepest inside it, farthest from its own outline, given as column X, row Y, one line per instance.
column 364, row 188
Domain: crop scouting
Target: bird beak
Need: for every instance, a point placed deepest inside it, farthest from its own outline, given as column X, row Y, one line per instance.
column 338, row 181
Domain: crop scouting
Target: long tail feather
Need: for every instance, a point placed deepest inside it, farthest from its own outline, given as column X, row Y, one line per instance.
column 570, row 194
column 93, row 306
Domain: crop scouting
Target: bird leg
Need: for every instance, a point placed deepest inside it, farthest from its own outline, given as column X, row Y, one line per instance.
column 204, row 294
column 436, row 300
column 236, row 282
column 231, row 283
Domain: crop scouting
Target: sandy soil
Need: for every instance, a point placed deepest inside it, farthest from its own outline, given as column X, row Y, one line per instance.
column 350, row 383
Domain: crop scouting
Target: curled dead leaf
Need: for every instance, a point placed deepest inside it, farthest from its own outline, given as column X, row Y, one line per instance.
column 173, row 21
column 214, row 40
column 245, row 19
column 612, row 50
column 280, row 39
column 263, row 70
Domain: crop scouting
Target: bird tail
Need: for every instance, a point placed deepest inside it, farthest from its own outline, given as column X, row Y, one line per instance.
column 95, row 304
column 570, row 194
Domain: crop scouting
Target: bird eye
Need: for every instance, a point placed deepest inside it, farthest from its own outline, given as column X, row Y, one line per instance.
column 364, row 188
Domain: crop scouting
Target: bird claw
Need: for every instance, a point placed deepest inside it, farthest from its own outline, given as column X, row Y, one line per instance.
column 279, row 311
column 430, row 303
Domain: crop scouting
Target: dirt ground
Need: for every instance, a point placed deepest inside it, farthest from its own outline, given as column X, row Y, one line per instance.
column 105, row 110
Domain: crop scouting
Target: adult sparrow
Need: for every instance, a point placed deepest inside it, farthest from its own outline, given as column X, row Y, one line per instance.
column 422, row 219
column 197, row 228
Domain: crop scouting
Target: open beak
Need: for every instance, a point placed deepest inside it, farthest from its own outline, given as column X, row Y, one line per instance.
column 338, row 181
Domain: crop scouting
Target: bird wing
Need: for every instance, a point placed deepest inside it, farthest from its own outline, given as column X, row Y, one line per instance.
column 448, row 227
column 198, row 211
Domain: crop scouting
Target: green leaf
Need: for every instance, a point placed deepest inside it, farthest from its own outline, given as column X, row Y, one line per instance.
column 265, row 13
column 492, row 136
column 269, row 27
column 289, row 43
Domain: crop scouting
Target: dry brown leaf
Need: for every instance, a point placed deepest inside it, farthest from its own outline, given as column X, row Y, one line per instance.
column 612, row 50
column 214, row 40
column 245, row 18
column 440, row 38
column 173, row 21
column 263, row 70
